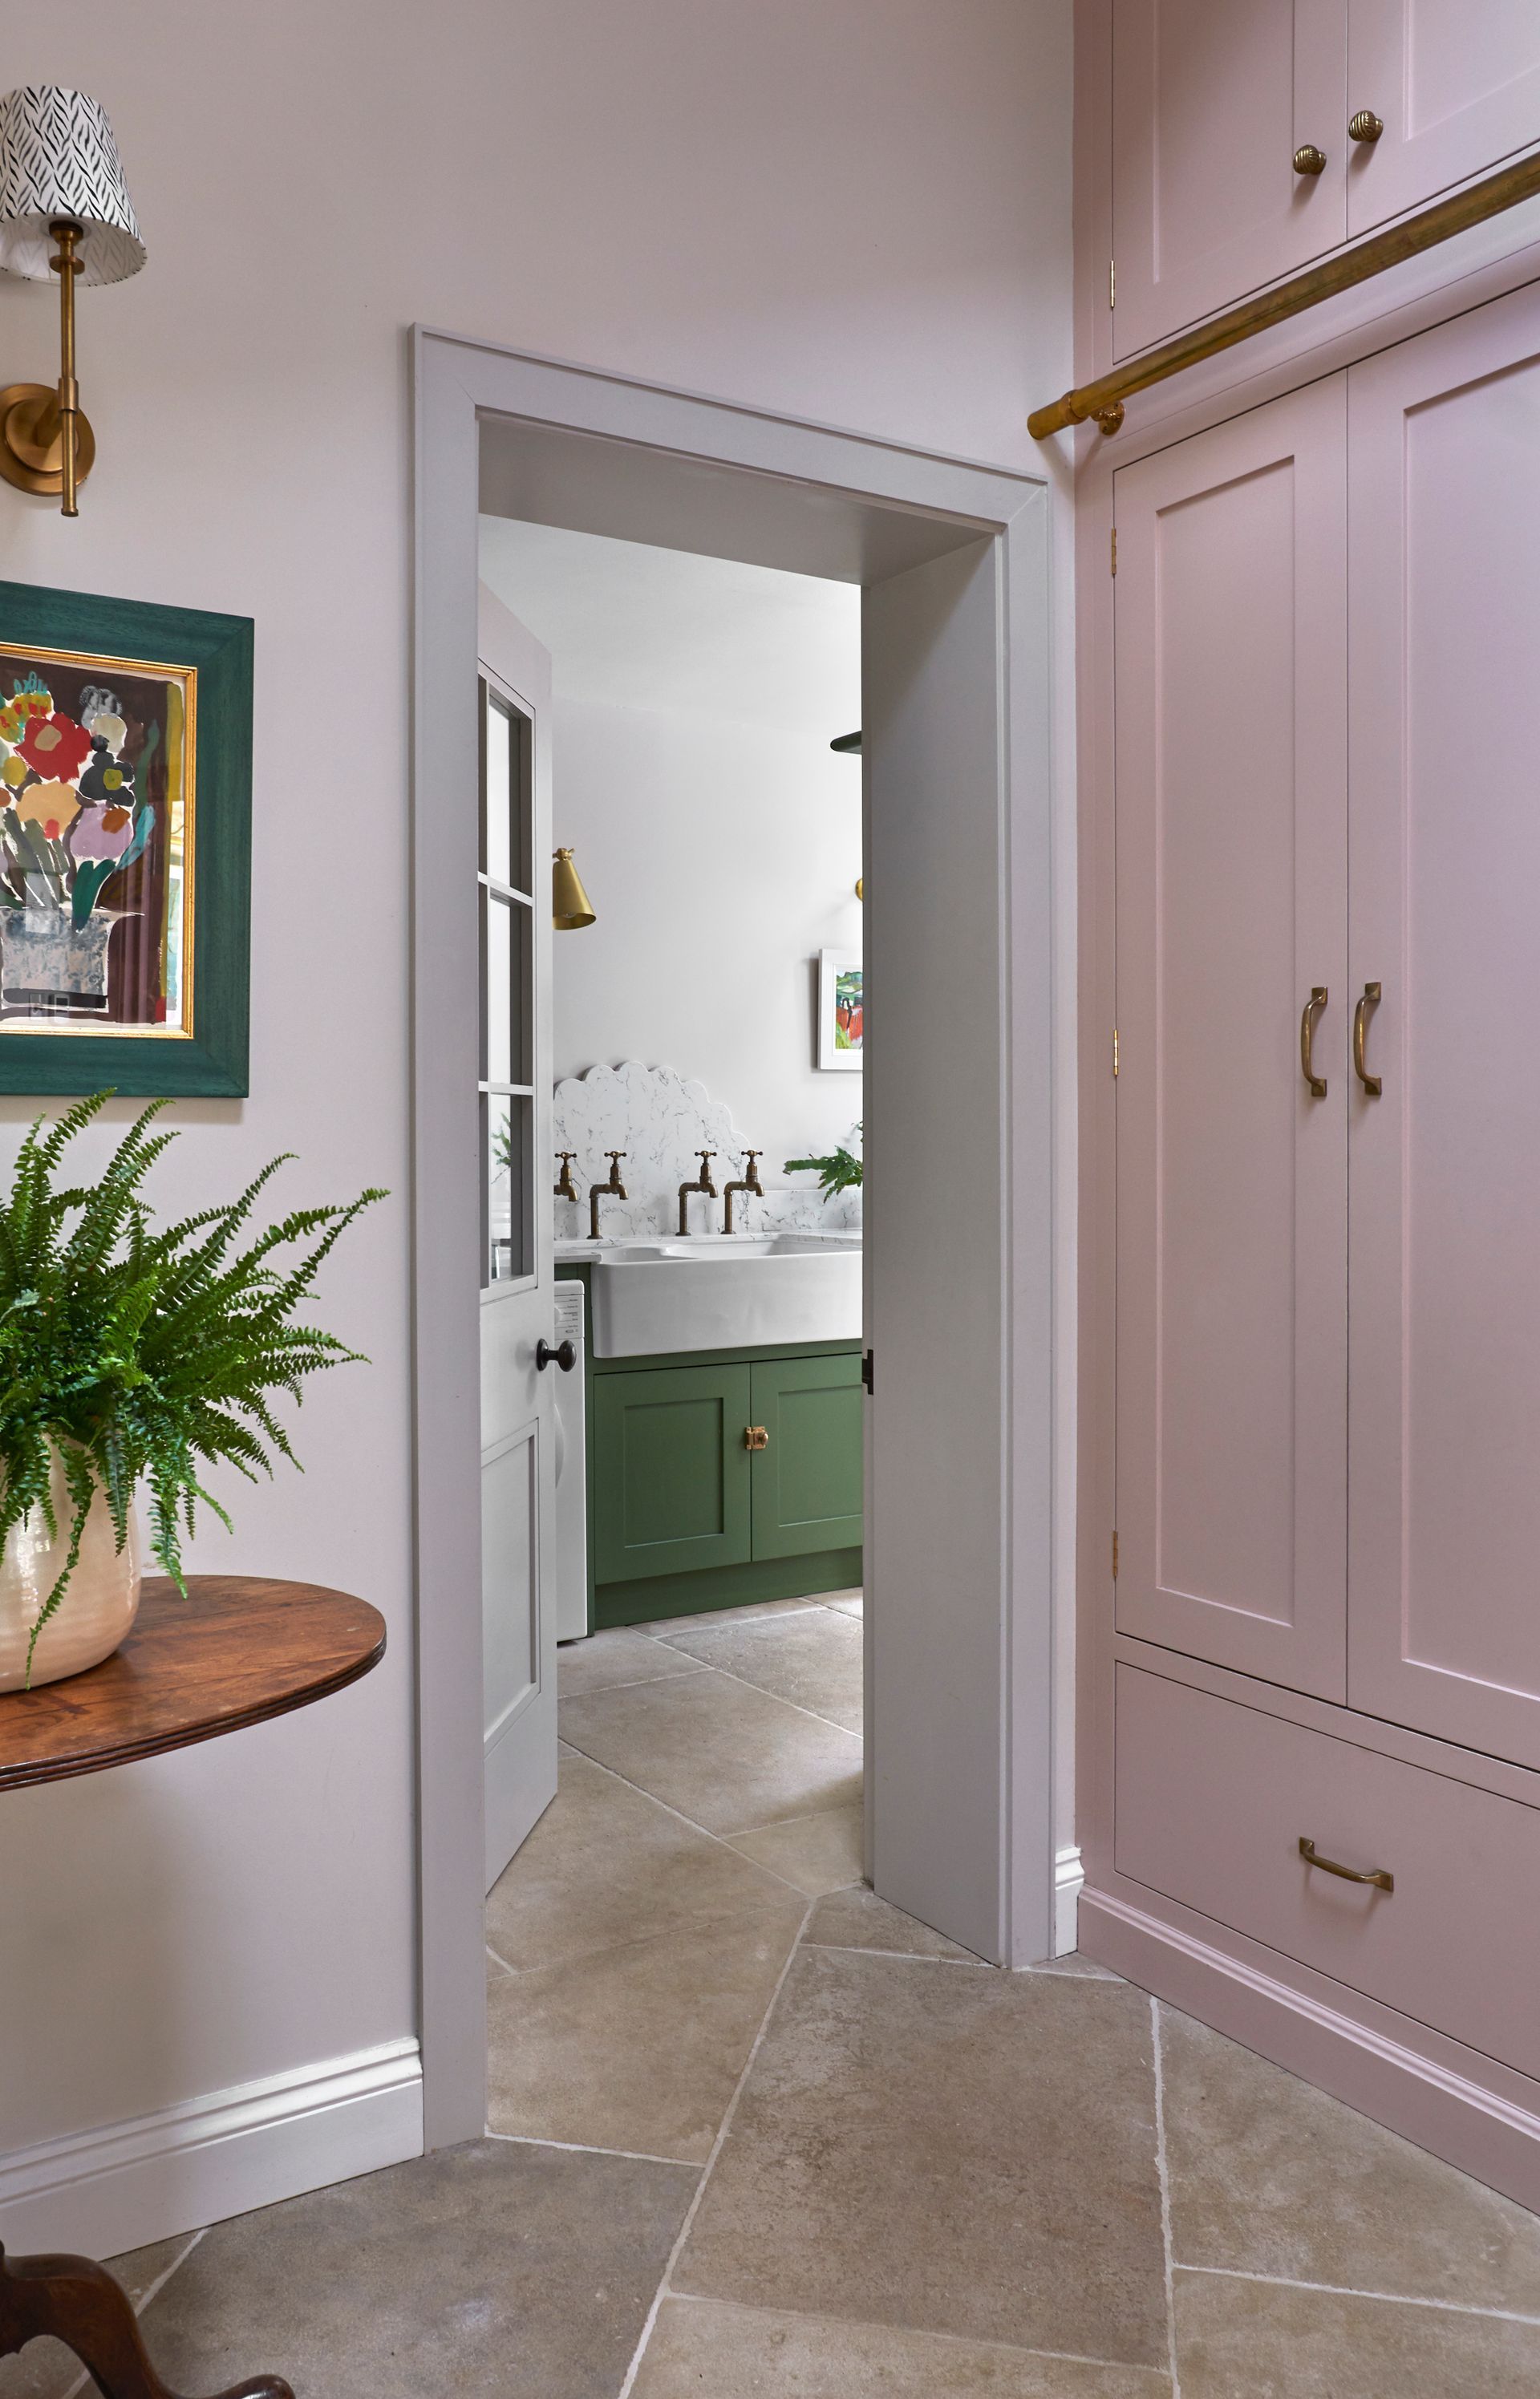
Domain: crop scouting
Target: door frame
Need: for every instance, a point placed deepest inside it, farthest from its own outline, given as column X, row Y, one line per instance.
column 1025, row 1269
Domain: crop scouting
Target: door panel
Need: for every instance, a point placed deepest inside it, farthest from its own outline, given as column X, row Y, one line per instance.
column 1457, row 87
column 806, row 1484
column 518, row 1271
column 1209, row 107
column 670, row 1465
column 1445, row 857
column 1231, row 1174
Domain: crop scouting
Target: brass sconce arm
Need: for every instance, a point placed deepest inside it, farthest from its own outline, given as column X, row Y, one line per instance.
column 45, row 443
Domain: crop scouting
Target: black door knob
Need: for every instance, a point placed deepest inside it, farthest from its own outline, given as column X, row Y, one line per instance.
column 564, row 1355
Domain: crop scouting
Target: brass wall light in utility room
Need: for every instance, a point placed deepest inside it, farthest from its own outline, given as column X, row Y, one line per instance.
column 571, row 906
column 60, row 184
column 850, row 746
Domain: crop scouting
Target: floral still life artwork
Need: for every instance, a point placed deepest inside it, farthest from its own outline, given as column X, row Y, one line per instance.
column 125, row 846
column 95, row 832
column 842, row 1011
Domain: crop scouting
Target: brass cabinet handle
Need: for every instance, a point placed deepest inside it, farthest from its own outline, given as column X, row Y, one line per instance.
column 1378, row 1876
column 1371, row 1083
column 1308, row 160
column 755, row 1437
column 1364, row 126
column 1307, row 1040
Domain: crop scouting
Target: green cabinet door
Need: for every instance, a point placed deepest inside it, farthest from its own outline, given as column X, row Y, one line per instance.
column 670, row 1470
column 807, row 1479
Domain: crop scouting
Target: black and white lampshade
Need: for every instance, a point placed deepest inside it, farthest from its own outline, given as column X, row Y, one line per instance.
column 58, row 159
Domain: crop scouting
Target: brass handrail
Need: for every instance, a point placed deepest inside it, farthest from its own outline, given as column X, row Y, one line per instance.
column 1104, row 399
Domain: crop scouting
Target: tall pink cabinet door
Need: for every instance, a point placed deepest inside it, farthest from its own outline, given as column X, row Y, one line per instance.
column 1212, row 99
column 1444, row 1159
column 1231, row 1180
column 1455, row 85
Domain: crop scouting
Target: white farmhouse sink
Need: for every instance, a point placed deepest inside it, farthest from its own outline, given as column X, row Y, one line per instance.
column 650, row 1298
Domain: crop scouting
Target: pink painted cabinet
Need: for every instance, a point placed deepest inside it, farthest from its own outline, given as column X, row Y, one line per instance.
column 1221, row 110
column 1328, row 781
column 1232, row 1171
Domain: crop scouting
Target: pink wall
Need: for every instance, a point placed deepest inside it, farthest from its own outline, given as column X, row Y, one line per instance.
column 849, row 210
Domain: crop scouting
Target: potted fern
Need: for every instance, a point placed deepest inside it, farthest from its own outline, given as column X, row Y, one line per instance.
column 133, row 1356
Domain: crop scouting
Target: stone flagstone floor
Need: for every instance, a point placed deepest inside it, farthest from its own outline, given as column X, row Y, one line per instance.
column 754, row 2134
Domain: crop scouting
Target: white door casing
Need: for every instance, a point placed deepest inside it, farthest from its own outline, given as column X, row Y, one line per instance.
column 517, row 1277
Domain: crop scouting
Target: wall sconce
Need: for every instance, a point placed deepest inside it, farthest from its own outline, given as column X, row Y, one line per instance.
column 571, row 906
column 60, row 181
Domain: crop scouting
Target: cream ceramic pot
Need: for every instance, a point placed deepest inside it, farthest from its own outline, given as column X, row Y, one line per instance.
column 100, row 1603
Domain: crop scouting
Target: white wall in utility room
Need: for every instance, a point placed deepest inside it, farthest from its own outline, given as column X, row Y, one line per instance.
column 718, row 836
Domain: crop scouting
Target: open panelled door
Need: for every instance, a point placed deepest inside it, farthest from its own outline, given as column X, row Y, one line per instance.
column 518, row 1277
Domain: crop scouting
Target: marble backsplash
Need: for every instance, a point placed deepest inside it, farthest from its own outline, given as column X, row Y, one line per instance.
column 661, row 1121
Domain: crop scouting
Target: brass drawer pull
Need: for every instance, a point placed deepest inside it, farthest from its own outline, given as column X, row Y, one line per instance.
column 1364, row 126
column 1307, row 1036
column 1376, row 1875
column 1309, row 159
column 1371, row 1083
column 755, row 1437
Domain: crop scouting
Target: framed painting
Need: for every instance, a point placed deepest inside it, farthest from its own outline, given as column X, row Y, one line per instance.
column 125, row 846
column 842, row 1011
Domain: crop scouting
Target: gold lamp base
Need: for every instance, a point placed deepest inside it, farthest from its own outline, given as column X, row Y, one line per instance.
column 29, row 411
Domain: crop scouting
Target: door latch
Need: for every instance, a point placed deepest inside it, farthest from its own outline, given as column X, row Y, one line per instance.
column 755, row 1437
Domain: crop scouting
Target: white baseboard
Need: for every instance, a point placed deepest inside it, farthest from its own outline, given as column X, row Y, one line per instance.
column 119, row 2186
column 1069, row 1875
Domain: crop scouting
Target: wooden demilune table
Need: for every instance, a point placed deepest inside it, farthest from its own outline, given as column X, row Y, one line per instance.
column 235, row 1651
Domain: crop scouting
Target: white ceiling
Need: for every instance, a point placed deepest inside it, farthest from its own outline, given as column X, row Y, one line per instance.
column 666, row 629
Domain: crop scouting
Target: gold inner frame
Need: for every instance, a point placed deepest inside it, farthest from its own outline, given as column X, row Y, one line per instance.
column 181, row 784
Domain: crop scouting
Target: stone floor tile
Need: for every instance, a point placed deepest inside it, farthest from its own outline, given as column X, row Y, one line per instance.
column 849, row 1603
column 611, row 1658
column 46, row 2369
column 812, row 1659
column 606, row 1865
column 1073, row 1961
column 639, row 2048
column 728, row 1758
column 749, row 1613
column 1270, row 2340
column 924, row 2146
column 493, row 2269
column 816, row 1853
column 1273, row 2177
column 859, row 1919
column 699, row 2347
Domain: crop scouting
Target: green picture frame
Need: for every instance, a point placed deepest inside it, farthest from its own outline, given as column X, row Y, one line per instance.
column 209, row 658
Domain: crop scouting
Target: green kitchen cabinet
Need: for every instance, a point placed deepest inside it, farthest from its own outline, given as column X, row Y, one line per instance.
column 671, row 1467
column 805, row 1485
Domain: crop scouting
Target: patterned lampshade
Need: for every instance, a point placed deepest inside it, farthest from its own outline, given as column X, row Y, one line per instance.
column 58, row 159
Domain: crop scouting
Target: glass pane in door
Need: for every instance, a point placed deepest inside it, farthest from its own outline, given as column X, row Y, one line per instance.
column 508, row 993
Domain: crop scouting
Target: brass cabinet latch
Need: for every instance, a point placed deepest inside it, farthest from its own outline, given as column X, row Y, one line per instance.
column 755, row 1437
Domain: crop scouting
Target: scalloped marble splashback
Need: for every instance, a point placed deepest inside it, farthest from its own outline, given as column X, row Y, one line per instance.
column 661, row 1121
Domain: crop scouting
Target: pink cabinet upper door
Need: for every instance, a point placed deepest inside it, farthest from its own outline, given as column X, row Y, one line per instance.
column 1212, row 100
column 1455, row 83
column 1232, row 1176
column 1444, row 1159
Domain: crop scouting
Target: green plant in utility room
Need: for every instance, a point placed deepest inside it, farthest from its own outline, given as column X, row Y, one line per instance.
column 131, row 1354
column 841, row 1171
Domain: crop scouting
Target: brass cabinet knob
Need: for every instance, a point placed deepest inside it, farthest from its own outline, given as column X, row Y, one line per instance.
column 1308, row 160
column 1365, row 126
column 755, row 1437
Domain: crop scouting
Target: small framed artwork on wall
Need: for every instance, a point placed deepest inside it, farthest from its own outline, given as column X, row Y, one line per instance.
column 842, row 1011
column 125, row 846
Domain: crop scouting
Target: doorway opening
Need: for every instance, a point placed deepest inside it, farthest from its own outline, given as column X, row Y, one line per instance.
column 956, row 1326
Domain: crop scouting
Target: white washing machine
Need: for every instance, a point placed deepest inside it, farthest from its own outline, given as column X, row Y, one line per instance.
column 572, row 1471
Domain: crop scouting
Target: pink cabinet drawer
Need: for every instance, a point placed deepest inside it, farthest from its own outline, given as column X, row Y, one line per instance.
column 1213, row 1800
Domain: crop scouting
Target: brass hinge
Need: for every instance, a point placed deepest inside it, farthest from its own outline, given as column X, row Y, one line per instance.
column 1115, row 1557
column 1115, row 549
column 1114, row 1054
column 1112, row 282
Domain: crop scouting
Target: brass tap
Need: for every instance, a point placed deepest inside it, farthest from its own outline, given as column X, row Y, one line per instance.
column 565, row 1189
column 702, row 1182
column 613, row 1190
column 751, row 1181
